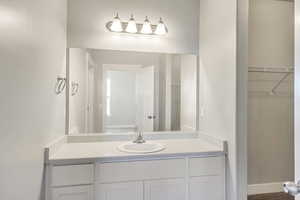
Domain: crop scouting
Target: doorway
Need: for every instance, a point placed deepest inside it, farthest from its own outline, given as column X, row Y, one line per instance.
column 270, row 98
column 134, row 84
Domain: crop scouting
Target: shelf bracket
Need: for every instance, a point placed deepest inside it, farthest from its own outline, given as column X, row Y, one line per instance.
column 273, row 91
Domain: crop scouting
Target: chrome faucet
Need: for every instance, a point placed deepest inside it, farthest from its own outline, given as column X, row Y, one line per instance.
column 139, row 138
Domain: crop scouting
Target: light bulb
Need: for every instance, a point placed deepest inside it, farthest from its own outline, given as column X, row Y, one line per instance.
column 116, row 25
column 146, row 29
column 161, row 28
column 131, row 26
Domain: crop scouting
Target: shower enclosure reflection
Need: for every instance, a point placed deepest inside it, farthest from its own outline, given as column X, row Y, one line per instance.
column 121, row 91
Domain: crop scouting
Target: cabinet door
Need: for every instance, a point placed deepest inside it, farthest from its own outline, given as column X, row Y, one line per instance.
column 120, row 191
column 170, row 189
column 207, row 188
column 73, row 193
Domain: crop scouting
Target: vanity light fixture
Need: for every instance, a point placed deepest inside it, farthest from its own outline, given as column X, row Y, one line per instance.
column 116, row 24
column 132, row 27
column 147, row 28
column 161, row 28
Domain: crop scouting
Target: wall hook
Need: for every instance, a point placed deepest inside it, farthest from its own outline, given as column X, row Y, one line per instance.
column 60, row 85
column 75, row 88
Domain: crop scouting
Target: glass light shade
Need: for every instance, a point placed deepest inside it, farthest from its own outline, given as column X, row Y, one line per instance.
column 116, row 25
column 161, row 28
column 131, row 26
column 146, row 29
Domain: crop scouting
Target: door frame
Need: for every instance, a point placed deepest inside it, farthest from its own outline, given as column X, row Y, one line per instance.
column 120, row 67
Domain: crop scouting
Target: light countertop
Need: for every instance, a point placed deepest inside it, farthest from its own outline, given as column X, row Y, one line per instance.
column 108, row 150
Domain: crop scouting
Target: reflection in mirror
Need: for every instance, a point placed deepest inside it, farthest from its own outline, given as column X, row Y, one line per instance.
column 122, row 91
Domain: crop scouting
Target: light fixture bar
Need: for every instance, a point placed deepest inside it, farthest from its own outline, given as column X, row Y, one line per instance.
column 139, row 27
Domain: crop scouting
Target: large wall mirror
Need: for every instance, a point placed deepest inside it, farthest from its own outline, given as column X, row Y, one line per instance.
column 122, row 91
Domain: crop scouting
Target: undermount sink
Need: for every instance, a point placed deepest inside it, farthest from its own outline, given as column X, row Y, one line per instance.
column 147, row 147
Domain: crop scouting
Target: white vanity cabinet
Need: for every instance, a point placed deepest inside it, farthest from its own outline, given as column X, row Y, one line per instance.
column 157, row 180
column 73, row 193
column 70, row 182
column 187, row 178
column 165, row 189
column 116, row 191
column 169, row 189
column 207, row 178
column 207, row 187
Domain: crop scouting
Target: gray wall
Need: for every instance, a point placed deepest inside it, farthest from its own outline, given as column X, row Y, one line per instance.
column 271, row 33
column 270, row 118
column 32, row 38
column 297, row 92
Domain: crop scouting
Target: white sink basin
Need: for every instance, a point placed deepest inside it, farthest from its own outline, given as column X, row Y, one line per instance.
column 147, row 147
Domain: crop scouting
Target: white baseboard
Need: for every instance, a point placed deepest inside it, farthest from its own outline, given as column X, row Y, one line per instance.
column 264, row 188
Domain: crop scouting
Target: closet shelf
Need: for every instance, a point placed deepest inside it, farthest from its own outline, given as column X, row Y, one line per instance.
column 269, row 69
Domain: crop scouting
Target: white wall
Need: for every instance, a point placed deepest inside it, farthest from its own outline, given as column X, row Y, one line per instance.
column 270, row 134
column 87, row 19
column 176, row 92
column 78, row 74
column 166, row 84
column 32, row 37
column 172, row 91
column 219, row 93
column 125, row 57
column 188, row 93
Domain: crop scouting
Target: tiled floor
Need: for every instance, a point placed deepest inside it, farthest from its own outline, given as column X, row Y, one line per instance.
column 273, row 196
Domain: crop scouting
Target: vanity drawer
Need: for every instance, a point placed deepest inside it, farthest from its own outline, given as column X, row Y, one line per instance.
column 72, row 175
column 206, row 166
column 140, row 170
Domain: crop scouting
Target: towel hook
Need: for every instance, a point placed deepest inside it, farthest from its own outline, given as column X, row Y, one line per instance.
column 75, row 88
column 60, row 85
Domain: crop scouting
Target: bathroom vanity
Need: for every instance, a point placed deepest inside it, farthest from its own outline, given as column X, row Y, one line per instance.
column 91, row 167
column 112, row 95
